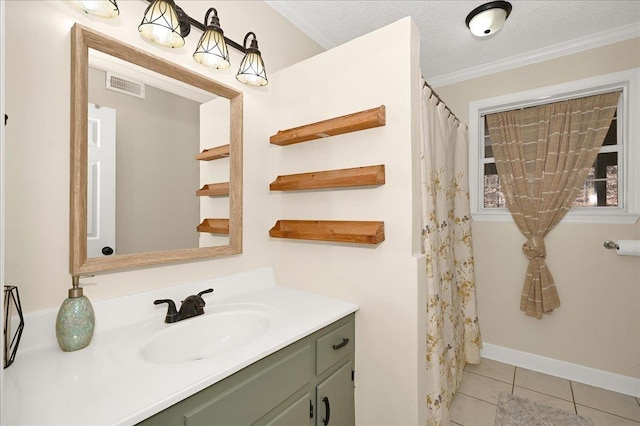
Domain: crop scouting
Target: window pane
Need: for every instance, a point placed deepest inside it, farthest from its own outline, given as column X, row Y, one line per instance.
column 492, row 195
column 488, row 150
column 600, row 189
column 612, row 186
column 601, row 186
column 612, row 134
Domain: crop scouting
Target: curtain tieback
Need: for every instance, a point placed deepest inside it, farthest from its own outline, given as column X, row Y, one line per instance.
column 534, row 248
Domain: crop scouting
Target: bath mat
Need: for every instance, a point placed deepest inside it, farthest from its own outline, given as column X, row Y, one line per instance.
column 517, row 411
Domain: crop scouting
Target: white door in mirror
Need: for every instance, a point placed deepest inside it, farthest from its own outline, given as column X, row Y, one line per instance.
column 101, row 182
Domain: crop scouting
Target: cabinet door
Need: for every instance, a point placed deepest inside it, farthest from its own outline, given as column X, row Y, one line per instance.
column 335, row 399
column 297, row 414
column 256, row 395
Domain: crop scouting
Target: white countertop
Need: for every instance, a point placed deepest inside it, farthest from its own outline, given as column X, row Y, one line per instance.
column 110, row 382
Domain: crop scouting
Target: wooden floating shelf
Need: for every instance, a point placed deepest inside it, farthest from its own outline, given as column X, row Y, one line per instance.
column 362, row 120
column 214, row 153
column 363, row 232
column 214, row 226
column 357, row 176
column 213, row 189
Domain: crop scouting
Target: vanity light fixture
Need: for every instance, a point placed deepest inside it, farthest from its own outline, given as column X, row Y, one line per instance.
column 165, row 23
column 212, row 48
column 488, row 18
column 102, row 8
column 252, row 70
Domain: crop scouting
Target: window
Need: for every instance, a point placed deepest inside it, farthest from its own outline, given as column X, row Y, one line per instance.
column 610, row 192
column 599, row 190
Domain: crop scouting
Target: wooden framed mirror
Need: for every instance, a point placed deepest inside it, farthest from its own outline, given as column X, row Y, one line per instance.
column 228, row 224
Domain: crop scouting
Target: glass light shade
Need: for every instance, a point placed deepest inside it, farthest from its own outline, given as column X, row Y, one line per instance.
column 252, row 70
column 161, row 24
column 212, row 49
column 102, row 8
column 487, row 22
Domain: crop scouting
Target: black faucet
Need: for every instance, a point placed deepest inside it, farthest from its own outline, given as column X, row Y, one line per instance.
column 191, row 306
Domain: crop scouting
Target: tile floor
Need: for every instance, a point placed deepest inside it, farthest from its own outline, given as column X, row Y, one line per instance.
column 475, row 404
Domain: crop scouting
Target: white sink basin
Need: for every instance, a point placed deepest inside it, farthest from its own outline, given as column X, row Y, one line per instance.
column 205, row 336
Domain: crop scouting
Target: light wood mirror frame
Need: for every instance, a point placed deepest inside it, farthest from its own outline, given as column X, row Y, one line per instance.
column 82, row 39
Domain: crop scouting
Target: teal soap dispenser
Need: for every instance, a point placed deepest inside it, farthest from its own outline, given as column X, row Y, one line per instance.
column 75, row 321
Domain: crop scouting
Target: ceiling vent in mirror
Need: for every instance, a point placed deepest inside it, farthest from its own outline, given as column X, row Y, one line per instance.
column 124, row 85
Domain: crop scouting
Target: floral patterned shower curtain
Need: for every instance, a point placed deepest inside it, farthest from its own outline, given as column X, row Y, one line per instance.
column 453, row 333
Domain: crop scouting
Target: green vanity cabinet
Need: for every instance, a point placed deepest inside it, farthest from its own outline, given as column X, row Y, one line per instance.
column 309, row 382
column 335, row 398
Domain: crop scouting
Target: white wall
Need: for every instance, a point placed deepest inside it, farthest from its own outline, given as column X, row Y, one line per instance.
column 37, row 142
column 380, row 68
column 598, row 324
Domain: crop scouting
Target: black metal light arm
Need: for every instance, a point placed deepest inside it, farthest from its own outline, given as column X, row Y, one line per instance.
column 199, row 25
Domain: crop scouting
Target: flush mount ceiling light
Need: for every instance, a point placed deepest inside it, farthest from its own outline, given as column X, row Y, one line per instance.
column 212, row 48
column 252, row 70
column 165, row 24
column 488, row 18
column 102, row 8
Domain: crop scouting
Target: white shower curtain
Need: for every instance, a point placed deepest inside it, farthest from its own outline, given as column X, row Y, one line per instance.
column 453, row 333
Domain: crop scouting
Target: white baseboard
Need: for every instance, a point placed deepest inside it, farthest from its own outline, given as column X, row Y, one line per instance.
column 566, row 370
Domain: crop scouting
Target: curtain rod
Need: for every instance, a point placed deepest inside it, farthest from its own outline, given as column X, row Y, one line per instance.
column 434, row 93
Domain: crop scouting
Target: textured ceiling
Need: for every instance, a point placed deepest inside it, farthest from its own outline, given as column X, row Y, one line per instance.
column 448, row 47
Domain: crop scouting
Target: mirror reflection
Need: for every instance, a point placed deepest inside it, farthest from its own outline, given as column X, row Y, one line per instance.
column 144, row 133
column 144, row 189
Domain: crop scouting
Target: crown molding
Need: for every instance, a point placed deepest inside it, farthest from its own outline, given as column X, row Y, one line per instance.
column 573, row 46
column 297, row 19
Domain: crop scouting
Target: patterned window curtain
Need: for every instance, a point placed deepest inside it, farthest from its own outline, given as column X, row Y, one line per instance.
column 543, row 155
column 453, row 333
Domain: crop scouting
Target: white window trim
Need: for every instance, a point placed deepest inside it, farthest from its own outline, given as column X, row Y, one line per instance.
column 629, row 82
